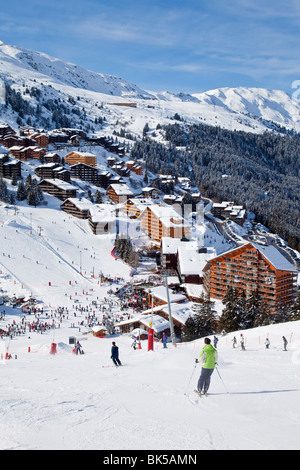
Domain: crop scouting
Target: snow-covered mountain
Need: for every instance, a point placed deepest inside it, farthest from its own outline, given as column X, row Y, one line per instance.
column 17, row 63
column 248, row 109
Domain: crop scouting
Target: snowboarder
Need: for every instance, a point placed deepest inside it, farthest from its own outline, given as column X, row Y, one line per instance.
column 134, row 344
column 267, row 343
column 208, row 358
column 285, row 343
column 115, row 354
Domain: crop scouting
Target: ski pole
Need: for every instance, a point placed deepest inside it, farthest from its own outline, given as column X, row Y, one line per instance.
column 222, row 380
column 191, row 377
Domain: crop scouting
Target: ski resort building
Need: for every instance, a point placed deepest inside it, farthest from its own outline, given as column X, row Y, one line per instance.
column 10, row 168
column 85, row 172
column 227, row 210
column 59, row 189
column 161, row 221
column 81, row 157
column 253, row 267
column 103, row 218
column 135, row 206
column 119, row 193
column 77, row 207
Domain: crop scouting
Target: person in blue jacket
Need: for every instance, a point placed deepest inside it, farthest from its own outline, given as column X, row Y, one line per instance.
column 115, row 354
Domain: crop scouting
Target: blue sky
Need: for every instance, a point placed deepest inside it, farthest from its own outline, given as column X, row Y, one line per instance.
column 189, row 46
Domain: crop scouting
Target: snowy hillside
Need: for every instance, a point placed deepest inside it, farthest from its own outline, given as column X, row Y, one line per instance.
column 15, row 61
column 251, row 110
column 64, row 401
column 69, row 402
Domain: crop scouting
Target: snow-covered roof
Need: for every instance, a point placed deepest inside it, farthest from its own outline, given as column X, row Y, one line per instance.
column 60, row 184
column 273, row 255
column 180, row 312
column 168, row 216
column 159, row 323
column 81, row 203
column 121, row 189
column 160, row 292
column 103, row 212
column 190, row 261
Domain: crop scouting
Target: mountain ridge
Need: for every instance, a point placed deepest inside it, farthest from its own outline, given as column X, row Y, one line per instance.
column 241, row 108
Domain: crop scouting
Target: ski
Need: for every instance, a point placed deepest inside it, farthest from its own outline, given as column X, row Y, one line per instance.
column 200, row 394
column 113, row 366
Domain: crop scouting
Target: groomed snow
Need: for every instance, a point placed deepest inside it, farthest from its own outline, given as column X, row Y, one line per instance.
column 65, row 401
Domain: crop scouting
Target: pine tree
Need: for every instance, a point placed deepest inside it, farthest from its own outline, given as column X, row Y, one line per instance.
column 246, row 312
column 294, row 313
column 14, row 180
column 205, row 318
column 4, row 195
column 230, row 319
column 98, row 197
column 189, row 330
column 262, row 315
column 21, row 192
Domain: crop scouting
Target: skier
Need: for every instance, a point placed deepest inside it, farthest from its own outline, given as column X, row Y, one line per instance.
column 267, row 343
column 208, row 358
column 134, row 344
column 165, row 340
column 78, row 348
column 242, row 342
column 115, row 354
column 215, row 342
column 234, row 342
column 285, row 343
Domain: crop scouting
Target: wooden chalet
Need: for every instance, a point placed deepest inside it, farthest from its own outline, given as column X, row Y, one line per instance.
column 81, row 157
column 28, row 153
column 85, row 172
column 134, row 167
column 59, row 189
column 77, row 207
column 149, row 191
column 253, row 267
column 228, row 210
column 5, row 129
column 104, row 179
column 52, row 157
column 119, row 193
column 41, row 139
column 46, row 171
column 10, row 168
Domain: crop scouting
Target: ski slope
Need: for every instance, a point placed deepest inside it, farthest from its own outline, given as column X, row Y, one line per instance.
column 65, row 401
column 45, row 245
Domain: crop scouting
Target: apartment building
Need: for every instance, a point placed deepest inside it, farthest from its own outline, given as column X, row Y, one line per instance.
column 250, row 267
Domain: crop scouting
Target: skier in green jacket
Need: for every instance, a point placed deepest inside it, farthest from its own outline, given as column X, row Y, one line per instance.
column 208, row 358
